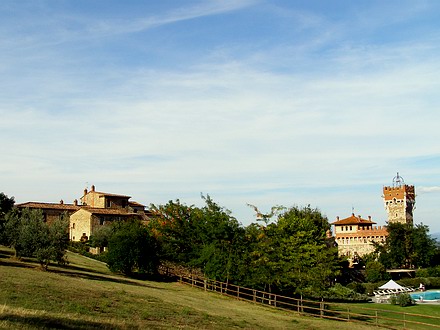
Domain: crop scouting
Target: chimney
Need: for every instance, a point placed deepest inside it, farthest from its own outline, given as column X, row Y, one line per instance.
column 75, row 202
column 85, row 191
column 337, row 218
column 61, row 202
column 93, row 187
column 369, row 217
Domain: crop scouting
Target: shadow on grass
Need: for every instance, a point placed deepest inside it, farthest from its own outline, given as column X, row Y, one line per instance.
column 99, row 277
column 6, row 259
column 50, row 322
column 16, row 263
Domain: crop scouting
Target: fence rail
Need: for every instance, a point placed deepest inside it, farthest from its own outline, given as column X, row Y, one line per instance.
column 334, row 311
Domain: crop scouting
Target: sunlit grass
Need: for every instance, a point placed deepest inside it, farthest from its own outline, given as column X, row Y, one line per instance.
column 85, row 295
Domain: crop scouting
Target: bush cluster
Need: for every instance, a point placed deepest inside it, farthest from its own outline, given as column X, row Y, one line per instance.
column 428, row 282
column 403, row 300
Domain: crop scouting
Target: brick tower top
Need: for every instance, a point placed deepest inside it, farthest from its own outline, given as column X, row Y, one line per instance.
column 399, row 200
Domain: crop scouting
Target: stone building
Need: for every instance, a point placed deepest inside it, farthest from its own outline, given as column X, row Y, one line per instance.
column 52, row 211
column 355, row 236
column 102, row 209
column 399, row 201
column 96, row 209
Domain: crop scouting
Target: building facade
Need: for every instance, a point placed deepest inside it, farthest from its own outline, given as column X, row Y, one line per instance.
column 399, row 201
column 355, row 236
column 97, row 209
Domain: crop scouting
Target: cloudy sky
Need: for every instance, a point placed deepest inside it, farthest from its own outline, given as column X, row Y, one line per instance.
column 265, row 102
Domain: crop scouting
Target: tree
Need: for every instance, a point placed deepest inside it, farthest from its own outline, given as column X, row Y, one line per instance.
column 175, row 229
column 101, row 236
column 30, row 236
column 424, row 247
column 407, row 246
column 375, row 272
column 6, row 205
column 131, row 248
column 293, row 253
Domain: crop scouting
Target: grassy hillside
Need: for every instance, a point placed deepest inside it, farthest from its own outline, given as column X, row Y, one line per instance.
column 85, row 295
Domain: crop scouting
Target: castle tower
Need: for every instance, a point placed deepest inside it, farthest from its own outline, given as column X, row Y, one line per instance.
column 399, row 201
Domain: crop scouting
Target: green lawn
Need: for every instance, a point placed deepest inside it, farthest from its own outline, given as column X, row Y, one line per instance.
column 85, row 295
column 388, row 315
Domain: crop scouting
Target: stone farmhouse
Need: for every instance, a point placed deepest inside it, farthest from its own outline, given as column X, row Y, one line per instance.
column 96, row 209
column 355, row 236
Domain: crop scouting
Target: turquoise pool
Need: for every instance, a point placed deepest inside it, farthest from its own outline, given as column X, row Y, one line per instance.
column 428, row 295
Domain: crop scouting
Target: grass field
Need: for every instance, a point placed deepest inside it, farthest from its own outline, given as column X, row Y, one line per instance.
column 85, row 295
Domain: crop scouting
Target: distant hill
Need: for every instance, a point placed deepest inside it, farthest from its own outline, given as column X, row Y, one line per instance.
column 437, row 237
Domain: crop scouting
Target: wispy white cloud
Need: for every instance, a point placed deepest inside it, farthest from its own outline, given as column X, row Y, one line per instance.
column 184, row 13
column 326, row 121
column 428, row 190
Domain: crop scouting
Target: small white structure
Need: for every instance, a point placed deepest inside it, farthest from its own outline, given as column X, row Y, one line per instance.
column 391, row 285
column 389, row 289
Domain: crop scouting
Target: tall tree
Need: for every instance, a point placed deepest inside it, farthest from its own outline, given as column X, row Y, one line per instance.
column 6, row 204
column 407, row 246
column 131, row 248
column 293, row 253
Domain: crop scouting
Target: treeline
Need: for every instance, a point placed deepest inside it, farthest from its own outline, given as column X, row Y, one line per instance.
column 287, row 251
column 26, row 232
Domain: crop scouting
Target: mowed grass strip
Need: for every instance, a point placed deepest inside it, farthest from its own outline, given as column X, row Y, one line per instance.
column 84, row 295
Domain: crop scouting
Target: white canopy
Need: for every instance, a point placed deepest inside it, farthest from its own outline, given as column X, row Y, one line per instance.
column 390, row 285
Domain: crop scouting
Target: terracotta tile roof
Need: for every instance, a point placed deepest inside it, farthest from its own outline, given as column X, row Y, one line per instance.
column 51, row 206
column 353, row 220
column 133, row 203
column 109, row 195
column 102, row 211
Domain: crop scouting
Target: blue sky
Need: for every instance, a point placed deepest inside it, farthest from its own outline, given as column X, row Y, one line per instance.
column 250, row 101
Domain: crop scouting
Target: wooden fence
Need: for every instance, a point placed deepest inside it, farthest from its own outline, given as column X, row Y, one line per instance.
column 335, row 311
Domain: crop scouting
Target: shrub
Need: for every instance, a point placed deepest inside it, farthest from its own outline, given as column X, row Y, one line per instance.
column 338, row 292
column 404, row 299
column 132, row 248
column 433, row 271
column 357, row 287
column 369, row 287
column 375, row 272
column 422, row 272
column 393, row 300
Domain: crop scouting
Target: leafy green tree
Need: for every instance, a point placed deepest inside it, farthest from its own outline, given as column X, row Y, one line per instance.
column 207, row 238
column 101, row 236
column 6, row 205
column 407, row 246
column 375, row 272
column 424, row 247
column 12, row 230
column 132, row 248
column 175, row 229
column 30, row 236
column 294, row 253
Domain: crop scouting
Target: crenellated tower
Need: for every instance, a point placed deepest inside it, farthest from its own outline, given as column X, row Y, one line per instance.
column 399, row 201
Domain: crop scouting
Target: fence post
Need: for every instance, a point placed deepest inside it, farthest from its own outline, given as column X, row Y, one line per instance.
column 255, row 296
column 238, row 292
column 321, row 308
column 404, row 321
column 180, row 278
column 204, row 284
column 221, row 288
column 297, row 305
column 377, row 321
column 348, row 313
column 275, row 300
